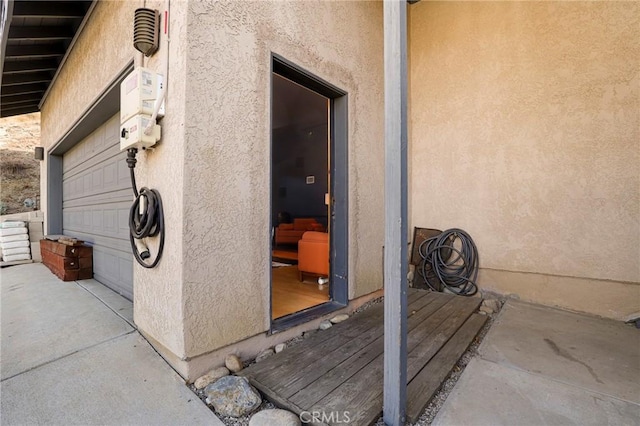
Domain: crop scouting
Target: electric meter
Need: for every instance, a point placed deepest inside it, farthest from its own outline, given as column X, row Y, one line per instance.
column 139, row 92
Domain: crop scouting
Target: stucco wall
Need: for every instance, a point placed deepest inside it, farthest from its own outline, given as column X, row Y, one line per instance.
column 102, row 50
column 86, row 73
column 158, row 292
column 525, row 132
column 227, row 152
column 212, row 164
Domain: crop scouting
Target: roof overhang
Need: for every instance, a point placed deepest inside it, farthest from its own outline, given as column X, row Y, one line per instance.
column 36, row 37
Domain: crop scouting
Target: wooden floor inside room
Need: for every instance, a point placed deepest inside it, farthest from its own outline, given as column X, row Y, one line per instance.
column 289, row 295
column 341, row 369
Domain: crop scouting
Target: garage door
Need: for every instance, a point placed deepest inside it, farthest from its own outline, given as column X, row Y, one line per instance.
column 96, row 199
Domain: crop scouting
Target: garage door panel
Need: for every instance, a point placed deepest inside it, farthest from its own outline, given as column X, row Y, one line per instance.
column 123, row 221
column 112, row 127
column 115, row 160
column 84, row 158
column 115, row 246
column 89, row 163
column 125, row 272
column 96, row 200
column 116, row 196
column 109, row 220
column 113, row 270
column 90, row 184
column 124, row 174
column 103, row 177
column 94, row 145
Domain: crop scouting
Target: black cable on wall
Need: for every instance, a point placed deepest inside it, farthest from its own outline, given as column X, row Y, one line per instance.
column 147, row 221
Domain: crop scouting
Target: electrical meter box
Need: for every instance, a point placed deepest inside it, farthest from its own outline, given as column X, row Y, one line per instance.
column 132, row 133
column 138, row 94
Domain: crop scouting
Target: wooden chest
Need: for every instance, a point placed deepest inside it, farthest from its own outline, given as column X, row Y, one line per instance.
column 69, row 263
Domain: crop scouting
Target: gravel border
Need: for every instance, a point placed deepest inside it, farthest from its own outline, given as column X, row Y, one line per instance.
column 428, row 415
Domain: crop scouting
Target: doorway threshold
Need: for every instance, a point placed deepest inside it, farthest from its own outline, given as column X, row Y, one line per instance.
column 297, row 318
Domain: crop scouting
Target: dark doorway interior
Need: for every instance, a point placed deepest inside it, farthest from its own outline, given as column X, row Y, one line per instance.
column 300, row 152
column 300, row 194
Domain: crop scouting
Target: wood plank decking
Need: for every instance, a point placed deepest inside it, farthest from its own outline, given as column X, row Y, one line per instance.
column 339, row 371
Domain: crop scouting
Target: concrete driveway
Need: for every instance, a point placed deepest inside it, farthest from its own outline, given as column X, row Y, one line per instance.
column 71, row 355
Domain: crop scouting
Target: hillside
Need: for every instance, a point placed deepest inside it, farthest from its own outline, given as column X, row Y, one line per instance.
column 19, row 171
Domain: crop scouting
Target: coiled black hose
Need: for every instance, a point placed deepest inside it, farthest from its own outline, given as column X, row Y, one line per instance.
column 450, row 260
column 145, row 222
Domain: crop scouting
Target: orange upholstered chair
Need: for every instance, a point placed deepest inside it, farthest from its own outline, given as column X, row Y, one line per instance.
column 290, row 233
column 313, row 254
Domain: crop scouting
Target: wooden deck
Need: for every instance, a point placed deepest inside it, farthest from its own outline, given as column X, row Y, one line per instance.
column 339, row 371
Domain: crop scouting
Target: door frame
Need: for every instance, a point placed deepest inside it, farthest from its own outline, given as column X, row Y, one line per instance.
column 338, row 189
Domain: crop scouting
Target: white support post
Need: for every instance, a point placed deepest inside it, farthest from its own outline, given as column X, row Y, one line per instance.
column 395, row 253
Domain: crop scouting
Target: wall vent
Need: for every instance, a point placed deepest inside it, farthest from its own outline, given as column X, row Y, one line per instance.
column 146, row 31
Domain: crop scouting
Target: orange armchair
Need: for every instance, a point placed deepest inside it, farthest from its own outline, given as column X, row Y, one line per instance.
column 313, row 254
column 291, row 233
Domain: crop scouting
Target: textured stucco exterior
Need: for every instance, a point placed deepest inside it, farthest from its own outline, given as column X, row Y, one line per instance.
column 86, row 73
column 212, row 165
column 102, row 51
column 525, row 131
column 227, row 152
column 158, row 292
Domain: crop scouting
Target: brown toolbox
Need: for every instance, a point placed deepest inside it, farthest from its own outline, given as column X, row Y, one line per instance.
column 67, row 262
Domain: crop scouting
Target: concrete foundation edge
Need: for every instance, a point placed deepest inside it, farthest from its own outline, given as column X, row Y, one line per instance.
column 609, row 299
column 195, row 367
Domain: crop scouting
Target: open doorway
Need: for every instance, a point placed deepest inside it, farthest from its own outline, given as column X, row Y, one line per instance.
column 309, row 196
column 300, row 273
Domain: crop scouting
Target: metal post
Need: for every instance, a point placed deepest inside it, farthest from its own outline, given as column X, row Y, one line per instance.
column 395, row 253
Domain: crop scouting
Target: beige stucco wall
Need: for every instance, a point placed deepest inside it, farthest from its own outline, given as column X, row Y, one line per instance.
column 211, row 288
column 86, row 73
column 158, row 293
column 525, row 132
column 227, row 153
column 102, row 50
column 97, row 57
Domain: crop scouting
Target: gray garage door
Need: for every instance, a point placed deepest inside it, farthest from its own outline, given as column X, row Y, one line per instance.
column 96, row 199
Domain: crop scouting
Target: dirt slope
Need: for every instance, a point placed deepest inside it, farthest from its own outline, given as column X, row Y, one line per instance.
column 19, row 171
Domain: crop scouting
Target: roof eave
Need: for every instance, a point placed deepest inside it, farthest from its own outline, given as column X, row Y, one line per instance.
column 7, row 6
column 66, row 55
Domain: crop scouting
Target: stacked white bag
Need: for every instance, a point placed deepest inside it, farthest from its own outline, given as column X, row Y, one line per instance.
column 14, row 241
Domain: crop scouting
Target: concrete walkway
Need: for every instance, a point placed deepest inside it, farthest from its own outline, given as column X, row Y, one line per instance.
column 70, row 355
column 544, row 366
